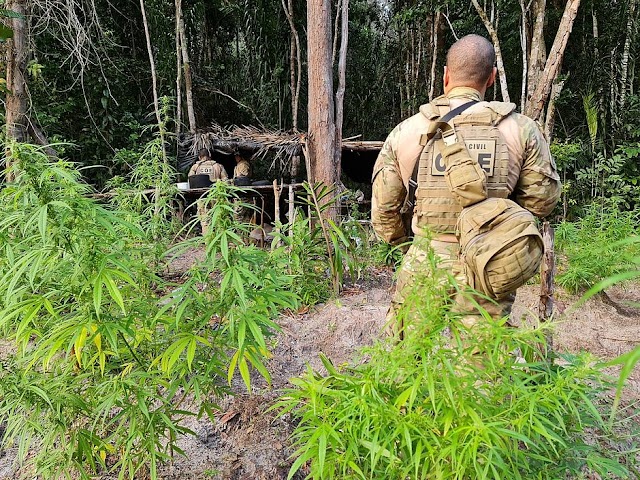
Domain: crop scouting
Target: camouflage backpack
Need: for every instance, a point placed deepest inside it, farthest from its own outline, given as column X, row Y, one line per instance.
column 500, row 245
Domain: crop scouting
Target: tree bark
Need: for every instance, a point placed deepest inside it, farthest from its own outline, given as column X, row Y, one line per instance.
column 322, row 128
column 624, row 64
column 524, row 44
column 186, row 66
column 538, row 53
column 16, row 100
column 547, row 274
column 496, row 45
column 434, row 54
column 154, row 79
column 556, row 89
column 342, row 76
column 552, row 67
column 295, row 63
column 178, row 70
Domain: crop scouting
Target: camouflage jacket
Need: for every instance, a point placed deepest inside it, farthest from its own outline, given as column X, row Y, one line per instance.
column 242, row 169
column 215, row 170
column 533, row 181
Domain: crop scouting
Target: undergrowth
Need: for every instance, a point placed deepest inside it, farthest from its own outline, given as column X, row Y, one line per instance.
column 107, row 351
column 452, row 403
column 597, row 247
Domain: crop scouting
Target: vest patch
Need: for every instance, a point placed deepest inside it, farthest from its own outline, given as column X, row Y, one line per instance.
column 482, row 150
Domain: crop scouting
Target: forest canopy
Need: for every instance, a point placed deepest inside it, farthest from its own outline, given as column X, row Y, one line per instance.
column 94, row 69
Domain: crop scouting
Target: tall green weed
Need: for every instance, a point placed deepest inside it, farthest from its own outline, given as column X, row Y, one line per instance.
column 107, row 351
column 451, row 403
column 594, row 247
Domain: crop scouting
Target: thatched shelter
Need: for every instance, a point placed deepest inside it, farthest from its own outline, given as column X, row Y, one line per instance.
column 281, row 153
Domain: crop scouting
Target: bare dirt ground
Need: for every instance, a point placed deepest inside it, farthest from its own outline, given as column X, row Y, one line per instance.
column 248, row 442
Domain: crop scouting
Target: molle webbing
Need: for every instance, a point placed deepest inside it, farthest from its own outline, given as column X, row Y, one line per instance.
column 436, row 207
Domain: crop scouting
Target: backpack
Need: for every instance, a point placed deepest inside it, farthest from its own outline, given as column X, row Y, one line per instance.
column 500, row 245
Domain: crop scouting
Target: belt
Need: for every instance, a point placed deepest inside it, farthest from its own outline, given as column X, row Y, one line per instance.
column 446, row 237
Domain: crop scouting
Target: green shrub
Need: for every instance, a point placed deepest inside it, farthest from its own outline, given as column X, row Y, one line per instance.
column 450, row 403
column 106, row 350
column 594, row 246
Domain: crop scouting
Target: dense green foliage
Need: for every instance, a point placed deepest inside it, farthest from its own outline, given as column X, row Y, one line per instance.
column 597, row 247
column 97, row 96
column 452, row 403
column 107, row 350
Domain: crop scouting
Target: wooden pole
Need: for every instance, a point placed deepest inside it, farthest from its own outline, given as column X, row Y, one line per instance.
column 547, row 273
column 276, row 210
column 292, row 211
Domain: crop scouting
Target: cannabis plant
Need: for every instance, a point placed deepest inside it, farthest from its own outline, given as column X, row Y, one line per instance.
column 450, row 402
column 595, row 247
column 108, row 352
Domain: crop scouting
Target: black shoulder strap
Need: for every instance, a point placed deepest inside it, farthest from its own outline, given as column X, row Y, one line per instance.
column 413, row 181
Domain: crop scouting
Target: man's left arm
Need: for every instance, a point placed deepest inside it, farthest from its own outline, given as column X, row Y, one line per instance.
column 538, row 188
column 388, row 197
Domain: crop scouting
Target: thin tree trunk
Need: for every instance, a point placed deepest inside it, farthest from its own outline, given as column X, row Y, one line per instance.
column 296, row 77
column 596, row 35
column 178, row 70
column 152, row 63
column 556, row 89
column 496, row 45
column 336, row 27
column 524, row 44
column 16, row 100
column 554, row 61
column 538, row 53
column 342, row 78
column 188, row 88
column 322, row 128
column 434, row 55
column 624, row 64
column 547, row 275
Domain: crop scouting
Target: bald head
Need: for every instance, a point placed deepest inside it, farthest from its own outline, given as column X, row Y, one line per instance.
column 470, row 62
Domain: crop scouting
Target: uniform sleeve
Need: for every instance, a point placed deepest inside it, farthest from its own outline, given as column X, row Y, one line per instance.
column 242, row 170
column 193, row 170
column 223, row 173
column 538, row 188
column 388, row 196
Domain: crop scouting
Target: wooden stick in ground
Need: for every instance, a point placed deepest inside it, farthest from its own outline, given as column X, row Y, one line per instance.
column 276, row 210
column 292, row 211
column 547, row 273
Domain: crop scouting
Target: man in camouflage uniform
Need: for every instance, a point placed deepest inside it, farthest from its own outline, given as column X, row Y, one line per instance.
column 205, row 165
column 530, row 176
column 242, row 168
column 242, row 177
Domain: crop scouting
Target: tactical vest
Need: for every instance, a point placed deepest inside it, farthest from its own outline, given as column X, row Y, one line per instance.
column 436, row 208
column 209, row 167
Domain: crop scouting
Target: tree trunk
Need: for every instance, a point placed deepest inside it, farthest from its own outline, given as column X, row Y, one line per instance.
column 554, row 61
column 186, row 66
column 524, row 44
column 295, row 63
column 16, row 101
column 434, row 57
column 556, row 89
column 547, row 275
column 154, row 79
column 496, row 45
column 624, row 64
column 342, row 76
column 178, row 70
column 322, row 128
column 538, row 53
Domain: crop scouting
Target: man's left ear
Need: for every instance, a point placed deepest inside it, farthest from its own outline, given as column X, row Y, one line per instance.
column 492, row 77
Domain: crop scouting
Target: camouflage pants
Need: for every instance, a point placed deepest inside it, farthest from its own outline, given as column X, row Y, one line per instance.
column 203, row 214
column 416, row 262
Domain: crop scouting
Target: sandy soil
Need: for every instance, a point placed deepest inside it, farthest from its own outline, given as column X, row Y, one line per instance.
column 247, row 442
